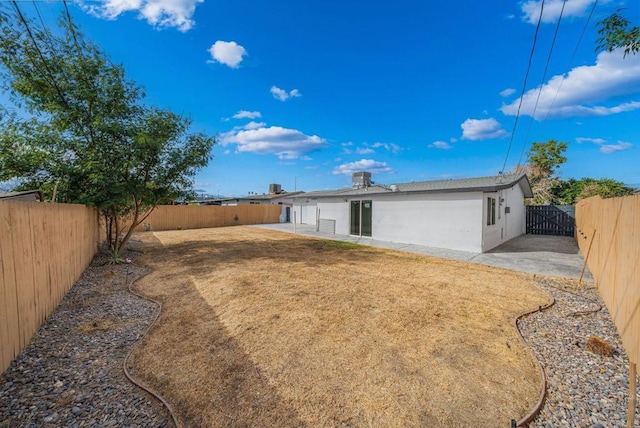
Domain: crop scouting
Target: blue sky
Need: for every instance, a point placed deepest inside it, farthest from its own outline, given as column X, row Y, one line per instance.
column 304, row 93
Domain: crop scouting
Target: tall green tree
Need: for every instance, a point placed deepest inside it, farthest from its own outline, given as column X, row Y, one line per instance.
column 617, row 32
column 544, row 159
column 568, row 192
column 77, row 128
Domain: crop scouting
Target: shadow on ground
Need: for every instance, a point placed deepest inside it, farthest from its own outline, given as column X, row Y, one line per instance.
column 539, row 243
column 238, row 392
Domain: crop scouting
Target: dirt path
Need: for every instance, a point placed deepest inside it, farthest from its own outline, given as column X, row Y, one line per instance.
column 262, row 328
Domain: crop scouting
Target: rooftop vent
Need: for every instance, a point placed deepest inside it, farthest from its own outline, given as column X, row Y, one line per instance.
column 275, row 189
column 361, row 179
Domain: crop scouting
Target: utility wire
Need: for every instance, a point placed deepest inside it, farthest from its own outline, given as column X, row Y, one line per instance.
column 44, row 62
column 544, row 77
column 524, row 86
column 573, row 56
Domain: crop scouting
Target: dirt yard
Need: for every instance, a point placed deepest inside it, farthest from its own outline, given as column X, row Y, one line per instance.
column 263, row 328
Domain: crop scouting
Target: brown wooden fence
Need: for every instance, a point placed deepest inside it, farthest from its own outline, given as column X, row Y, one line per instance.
column 172, row 217
column 608, row 233
column 44, row 248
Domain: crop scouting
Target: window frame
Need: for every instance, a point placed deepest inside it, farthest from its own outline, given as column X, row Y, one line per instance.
column 491, row 211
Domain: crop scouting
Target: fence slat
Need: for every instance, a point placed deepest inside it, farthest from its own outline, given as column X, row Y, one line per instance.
column 614, row 260
column 549, row 220
column 172, row 217
column 44, row 248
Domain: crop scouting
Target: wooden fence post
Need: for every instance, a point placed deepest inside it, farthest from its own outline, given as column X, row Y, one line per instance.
column 631, row 408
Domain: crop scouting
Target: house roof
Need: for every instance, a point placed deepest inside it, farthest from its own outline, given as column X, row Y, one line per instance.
column 266, row 197
column 482, row 184
column 27, row 195
column 270, row 196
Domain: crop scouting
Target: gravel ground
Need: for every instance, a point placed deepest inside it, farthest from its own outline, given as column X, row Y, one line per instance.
column 71, row 372
column 583, row 389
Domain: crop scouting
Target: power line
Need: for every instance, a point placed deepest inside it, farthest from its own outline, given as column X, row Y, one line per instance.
column 573, row 56
column 524, row 86
column 562, row 79
column 544, row 77
column 37, row 48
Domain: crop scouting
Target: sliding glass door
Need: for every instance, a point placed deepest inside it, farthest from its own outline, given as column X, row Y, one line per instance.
column 361, row 218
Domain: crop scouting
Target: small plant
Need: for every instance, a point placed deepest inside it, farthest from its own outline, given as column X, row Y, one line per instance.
column 599, row 346
column 236, row 219
column 98, row 325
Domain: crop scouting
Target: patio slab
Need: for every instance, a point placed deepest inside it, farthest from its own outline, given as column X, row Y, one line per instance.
column 544, row 255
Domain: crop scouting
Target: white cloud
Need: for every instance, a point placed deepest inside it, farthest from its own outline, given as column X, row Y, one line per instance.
column 552, row 8
column 604, row 147
column 611, row 148
column 364, row 151
column 227, row 53
column 244, row 114
column 507, row 92
column 441, row 145
column 159, row 13
column 226, row 152
column 284, row 142
column 392, row 147
column 254, row 125
column 282, row 95
column 590, row 140
column 482, row 129
column 369, row 165
column 583, row 88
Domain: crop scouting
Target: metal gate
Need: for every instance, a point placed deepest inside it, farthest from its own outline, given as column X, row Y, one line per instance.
column 550, row 220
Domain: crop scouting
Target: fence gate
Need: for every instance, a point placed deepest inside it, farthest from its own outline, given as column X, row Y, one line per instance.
column 550, row 220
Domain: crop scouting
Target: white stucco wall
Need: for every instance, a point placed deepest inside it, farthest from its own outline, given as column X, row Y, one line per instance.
column 507, row 226
column 305, row 211
column 443, row 220
column 336, row 209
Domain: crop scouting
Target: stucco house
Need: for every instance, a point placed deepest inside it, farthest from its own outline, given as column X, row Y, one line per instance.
column 470, row 214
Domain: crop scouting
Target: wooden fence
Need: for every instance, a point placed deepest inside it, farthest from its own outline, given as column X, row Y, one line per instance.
column 549, row 220
column 172, row 217
column 608, row 233
column 44, row 248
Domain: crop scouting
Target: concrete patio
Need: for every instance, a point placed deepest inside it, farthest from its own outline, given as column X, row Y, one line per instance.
column 544, row 255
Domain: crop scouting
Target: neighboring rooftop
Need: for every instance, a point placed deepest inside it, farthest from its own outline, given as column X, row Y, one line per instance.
column 27, row 195
column 486, row 184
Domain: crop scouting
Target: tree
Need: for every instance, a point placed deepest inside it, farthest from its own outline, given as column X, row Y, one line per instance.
column 544, row 159
column 568, row 192
column 616, row 32
column 79, row 131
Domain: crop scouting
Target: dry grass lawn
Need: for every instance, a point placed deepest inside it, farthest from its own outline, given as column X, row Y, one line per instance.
column 263, row 328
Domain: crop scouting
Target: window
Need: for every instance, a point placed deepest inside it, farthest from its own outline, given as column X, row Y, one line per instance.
column 491, row 211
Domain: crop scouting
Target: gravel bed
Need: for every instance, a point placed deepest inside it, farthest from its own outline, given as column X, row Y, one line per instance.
column 71, row 373
column 583, row 389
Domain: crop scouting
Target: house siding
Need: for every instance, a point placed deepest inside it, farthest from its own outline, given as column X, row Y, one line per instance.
column 508, row 225
column 445, row 220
